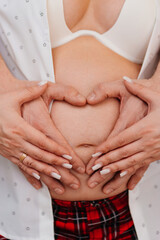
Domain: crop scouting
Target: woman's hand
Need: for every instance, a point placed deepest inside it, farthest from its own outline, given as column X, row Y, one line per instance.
column 45, row 124
column 15, row 133
column 138, row 144
column 132, row 109
column 18, row 137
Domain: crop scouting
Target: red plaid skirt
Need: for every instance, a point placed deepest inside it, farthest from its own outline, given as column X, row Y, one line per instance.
column 106, row 219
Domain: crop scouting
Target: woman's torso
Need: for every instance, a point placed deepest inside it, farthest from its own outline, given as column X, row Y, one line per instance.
column 83, row 63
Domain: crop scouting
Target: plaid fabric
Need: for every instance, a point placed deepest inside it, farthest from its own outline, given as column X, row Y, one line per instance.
column 107, row 219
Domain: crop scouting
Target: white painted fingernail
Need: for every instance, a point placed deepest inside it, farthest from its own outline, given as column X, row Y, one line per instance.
column 66, row 165
column 55, row 175
column 105, row 171
column 50, row 106
column 35, row 175
column 68, row 157
column 122, row 174
column 41, row 83
column 74, row 186
column 97, row 154
column 80, row 169
column 97, row 166
column 93, row 184
column 127, row 79
column 109, row 191
column 58, row 190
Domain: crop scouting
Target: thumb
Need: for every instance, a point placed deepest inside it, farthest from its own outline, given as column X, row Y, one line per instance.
column 105, row 90
column 29, row 93
column 61, row 92
column 143, row 92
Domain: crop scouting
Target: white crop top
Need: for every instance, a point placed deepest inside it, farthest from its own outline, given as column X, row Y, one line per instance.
column 128, row 37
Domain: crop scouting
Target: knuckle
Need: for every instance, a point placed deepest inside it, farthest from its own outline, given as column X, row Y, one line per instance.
column 147, row 162
column 106, row 159
column 38, row 156
column 46, row 170
column 41, row 144
column 19, row 164
column 121, row 141
column 147, row 130
column 116, row 167
column 22, row 166
column 124, row 153
column 133, row 161
column 105, row 147
column 132, row 170
column 142, row 164
column 14, row 130
column 150, row 143
column 55, row 161
column 29, row 163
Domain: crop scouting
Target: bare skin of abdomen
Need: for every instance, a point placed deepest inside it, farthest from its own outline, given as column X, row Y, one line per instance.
column 83, row 63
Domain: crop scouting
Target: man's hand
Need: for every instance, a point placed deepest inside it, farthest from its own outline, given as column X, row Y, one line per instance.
column 44, row 163
column 132, row 109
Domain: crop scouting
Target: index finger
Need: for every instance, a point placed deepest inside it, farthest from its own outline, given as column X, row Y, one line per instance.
column 40, row 140
column 105, row 90
column 125, row 137
column 63, row 92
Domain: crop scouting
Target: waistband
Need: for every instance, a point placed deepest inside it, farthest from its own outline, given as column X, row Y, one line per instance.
column 82, row 204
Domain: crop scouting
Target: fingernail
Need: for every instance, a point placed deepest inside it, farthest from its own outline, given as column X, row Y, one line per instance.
column 80, row 97
column 92, row 96
column 74, row 186
column 67, row 165
column 97, row 154
column 132, row 186
column 128, row 79
column 105, row 171
column 35, row 175
column 93, row 184
column 97, row 166
column 41, row 83
column 55, row 175
column 58, row 190
column 122, row 174
column 109, row 191
column 68, row 157
column 50, row 106
column 80, row 169
column 36, row 186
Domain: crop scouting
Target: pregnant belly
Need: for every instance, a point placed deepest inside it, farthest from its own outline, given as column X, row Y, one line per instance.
column 83, row 63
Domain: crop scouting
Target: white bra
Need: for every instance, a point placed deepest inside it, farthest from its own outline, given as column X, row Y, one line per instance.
column 129, row 36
